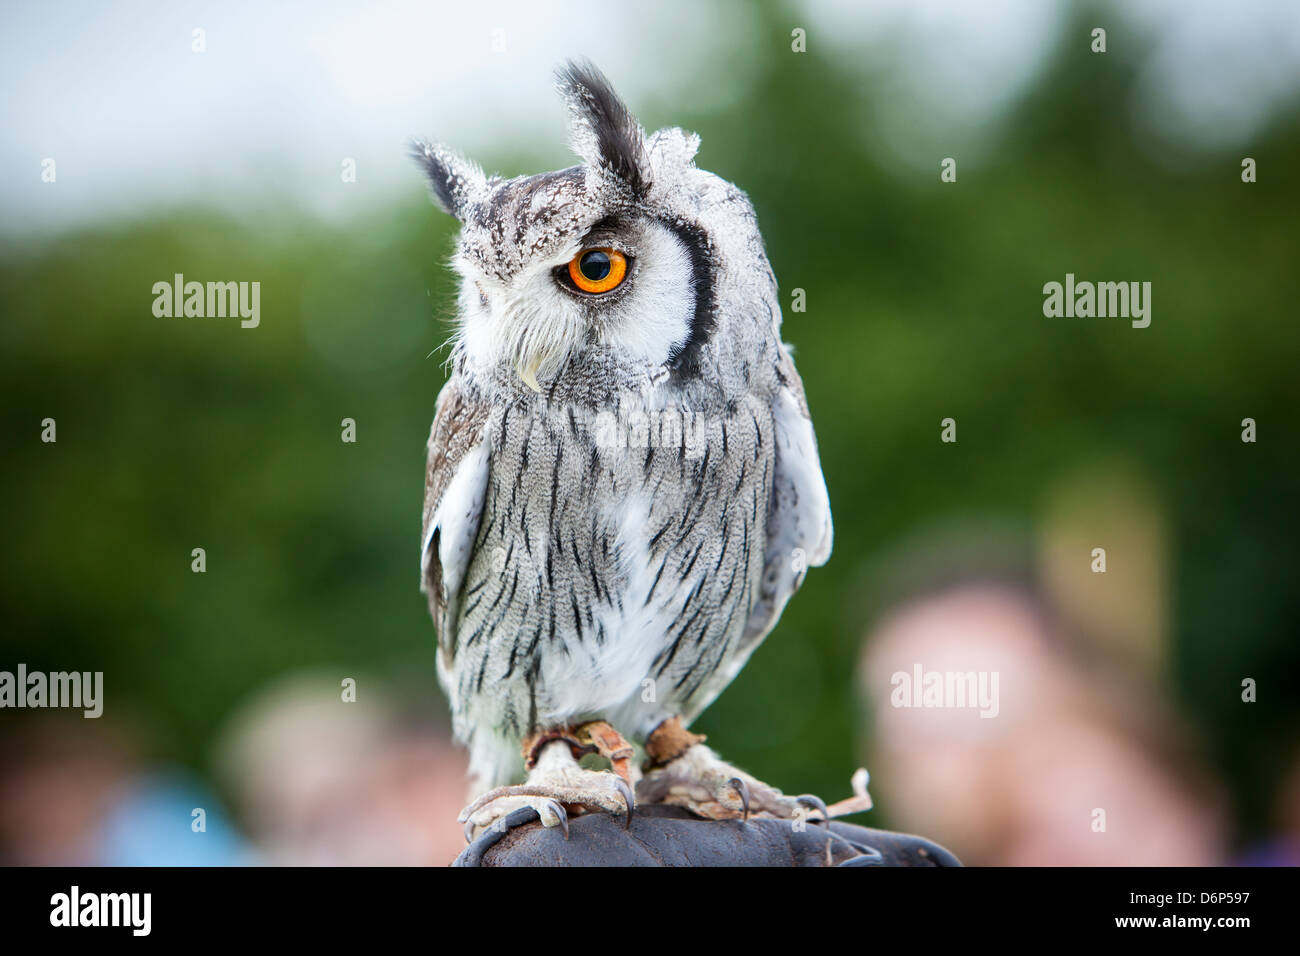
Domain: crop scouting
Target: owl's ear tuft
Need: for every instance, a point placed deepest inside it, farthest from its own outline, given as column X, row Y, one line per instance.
column 604, row 134
column 455, row 182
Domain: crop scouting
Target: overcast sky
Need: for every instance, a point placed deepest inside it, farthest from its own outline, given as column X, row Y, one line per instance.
column 136, row 120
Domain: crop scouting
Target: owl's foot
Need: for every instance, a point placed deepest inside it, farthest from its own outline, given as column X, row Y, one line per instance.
column 556, row 787
column 688, row 774
column 703, row 783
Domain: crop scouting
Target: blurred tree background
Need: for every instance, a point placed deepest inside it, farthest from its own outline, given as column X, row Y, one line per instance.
column 924, row 300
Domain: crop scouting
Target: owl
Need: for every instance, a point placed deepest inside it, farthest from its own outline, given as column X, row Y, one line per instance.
column 623, row 487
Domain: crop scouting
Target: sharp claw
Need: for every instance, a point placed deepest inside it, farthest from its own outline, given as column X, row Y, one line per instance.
column 558, row 809
column 469, row 831
column 742, row 791
column 628, row 799
column 816, row 803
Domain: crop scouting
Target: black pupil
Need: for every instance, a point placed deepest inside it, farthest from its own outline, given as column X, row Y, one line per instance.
column 594, row 265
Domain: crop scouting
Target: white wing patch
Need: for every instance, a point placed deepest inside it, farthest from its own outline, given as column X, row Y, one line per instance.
column 801, row 510
column 455, row 524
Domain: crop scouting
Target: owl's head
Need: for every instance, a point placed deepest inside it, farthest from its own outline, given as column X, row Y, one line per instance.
column 633, row 260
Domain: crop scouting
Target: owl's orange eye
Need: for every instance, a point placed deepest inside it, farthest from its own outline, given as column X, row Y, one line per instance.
column 598, row 270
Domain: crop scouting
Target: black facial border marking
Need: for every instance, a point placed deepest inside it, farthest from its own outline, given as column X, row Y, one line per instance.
column 685, row 360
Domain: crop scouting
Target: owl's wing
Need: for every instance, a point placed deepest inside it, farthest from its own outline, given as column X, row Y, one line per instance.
column 799, row 530
column 455, row 484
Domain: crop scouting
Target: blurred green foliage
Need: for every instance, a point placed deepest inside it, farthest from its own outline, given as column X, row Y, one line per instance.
column 924, row 301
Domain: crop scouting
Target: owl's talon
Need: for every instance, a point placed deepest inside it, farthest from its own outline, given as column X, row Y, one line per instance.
column 815, row 803
column 556, row 788
column 742, row 791
column 700, row 781
column 628, row 799
column 557, row 808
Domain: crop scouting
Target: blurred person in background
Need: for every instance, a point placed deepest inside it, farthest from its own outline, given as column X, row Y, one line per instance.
column 1079, row 760
column 81, row 793
column 322, row 781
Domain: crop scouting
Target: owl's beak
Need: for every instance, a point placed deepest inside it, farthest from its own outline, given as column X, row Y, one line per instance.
column 527, row 369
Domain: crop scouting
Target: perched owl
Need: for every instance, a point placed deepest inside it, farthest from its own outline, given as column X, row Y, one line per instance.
column 623, row 487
